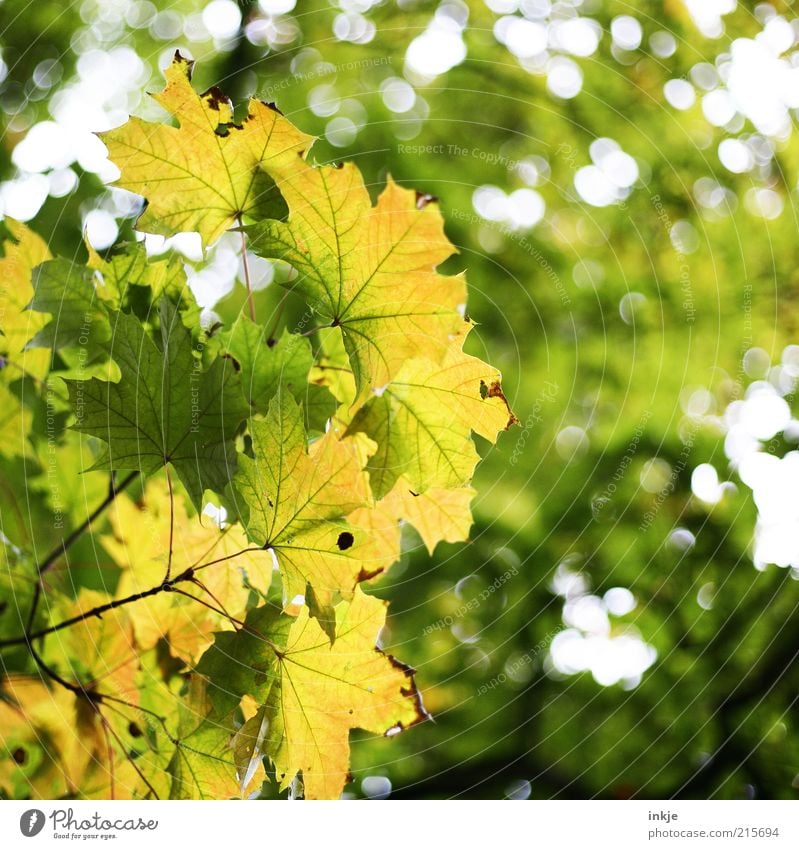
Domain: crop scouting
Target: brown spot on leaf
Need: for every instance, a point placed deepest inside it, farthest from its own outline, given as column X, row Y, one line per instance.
column 345, row 540
column 495, row 391
column 423, row 199
column 19, row 755
column 411, row 691
column 272, row 106
column 215, row 98
column 366, row 575
column 184, row 61
column 134, row 730
column 234, row 362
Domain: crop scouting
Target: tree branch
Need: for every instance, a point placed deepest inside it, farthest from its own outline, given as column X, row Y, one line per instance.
column 55, row 554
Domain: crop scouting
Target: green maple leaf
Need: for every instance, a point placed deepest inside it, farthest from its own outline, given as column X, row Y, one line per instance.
column 297, row 500
column 79, row 314
column 204, row 763
column 165, row 409
column 266, row 364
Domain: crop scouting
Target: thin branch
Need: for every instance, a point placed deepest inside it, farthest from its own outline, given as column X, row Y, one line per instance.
column 227, row 557
column 77, row 689
column 314, row 330
column 166, row 586
column 171, row 525
column 53, row 557
column 218, row 610
column 96, row 611
column 197, row 582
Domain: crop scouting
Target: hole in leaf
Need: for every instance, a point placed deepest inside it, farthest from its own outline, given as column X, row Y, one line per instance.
column 345, row 540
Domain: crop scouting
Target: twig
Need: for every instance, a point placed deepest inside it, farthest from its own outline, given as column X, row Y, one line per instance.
column 166, row 586
column 56, row 553
column 98, row 611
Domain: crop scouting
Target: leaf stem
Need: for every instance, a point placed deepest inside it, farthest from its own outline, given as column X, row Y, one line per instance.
column 246, row 264
column 171, row 525
column 219, row 610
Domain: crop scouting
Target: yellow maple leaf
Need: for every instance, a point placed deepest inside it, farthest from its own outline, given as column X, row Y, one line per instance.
column 369, row 270
column 37, row 729
column 21, row 254
column 320, row 692
column 208, row 173
column 438, row 514
column 299, row 501
column 140, row 545
column 423, row 420
column 209, row 750
column 99, row 652
column 312, row 693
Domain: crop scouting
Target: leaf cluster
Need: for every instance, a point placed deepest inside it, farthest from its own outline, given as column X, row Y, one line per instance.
column 222, row 455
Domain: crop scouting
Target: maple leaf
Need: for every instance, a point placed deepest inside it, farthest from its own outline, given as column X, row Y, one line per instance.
column 40, row 754
column 15, row 423
column 438, row 514
column 369, row 270
column 79, row 315
column 21, row 254
column 96, row 650
column 313, row 693
column 390, row 389
column 140, row 544
column 296, row 503
column 165, row 408
column 267, row 363
column 204, row 762
column 128, row 273
column 422, row 422
column 208, row 173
